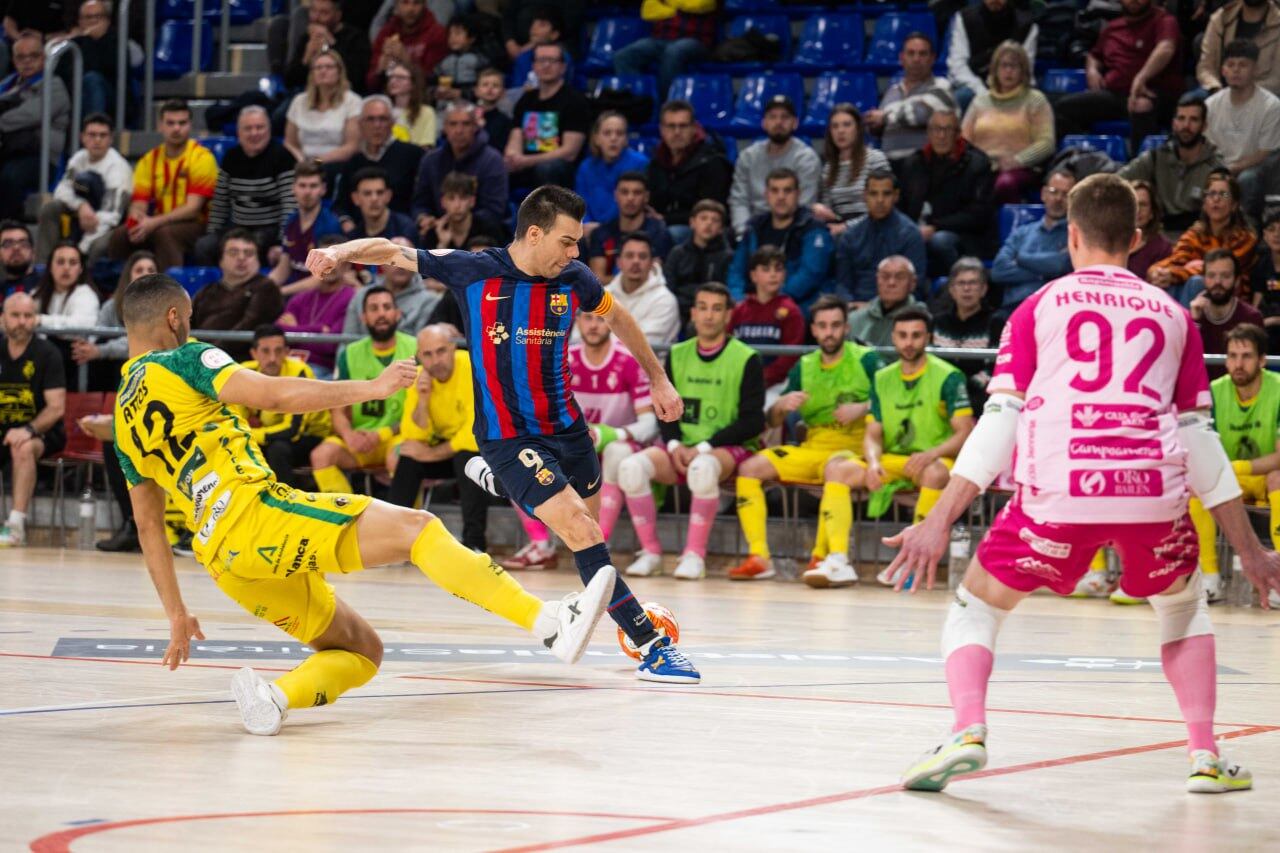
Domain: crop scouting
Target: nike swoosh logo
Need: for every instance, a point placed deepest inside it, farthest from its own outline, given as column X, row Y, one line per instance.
column 489, row 297
column 592, row 484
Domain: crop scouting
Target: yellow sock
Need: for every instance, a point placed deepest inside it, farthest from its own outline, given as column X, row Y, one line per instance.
column 1273, row 498
column 820, row 549
column 331, row 479
column 924, row 503
column 1207, row 532
column 753, row 515
column 472, row 577
column 323, row 677
column 1099, row 561
column 837, row 511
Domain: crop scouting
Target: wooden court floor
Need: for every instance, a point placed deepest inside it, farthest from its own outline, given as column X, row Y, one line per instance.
column 470, row 739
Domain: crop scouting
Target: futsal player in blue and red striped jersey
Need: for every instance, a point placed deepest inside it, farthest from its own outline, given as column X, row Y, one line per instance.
column 518, row 305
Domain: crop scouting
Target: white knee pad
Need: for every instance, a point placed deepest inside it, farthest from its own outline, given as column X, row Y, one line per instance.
column 1183, row 614
column 971, row 622
column 635, row 473
column 615, row 453
column 704, row 476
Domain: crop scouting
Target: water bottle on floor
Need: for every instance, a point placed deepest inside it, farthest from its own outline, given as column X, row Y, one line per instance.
column 1240, row 591
column 88, row 520
column 958, row 557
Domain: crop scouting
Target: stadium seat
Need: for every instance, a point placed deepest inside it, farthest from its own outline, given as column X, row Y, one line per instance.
column 710, row 94
column 173, row 49
column 891, row 30
column 1113, row 128
column 756, row 91
column 1013, row 215
column 242, row 11
column 219, row 145
column 830, row 41
column 1155, row 140
column 774, row 26
column 610, row 36
column 1113, row 146
column 835, row 87
column 646, row 145
column 194, row 278
column 1062, row 81
column 639, row 84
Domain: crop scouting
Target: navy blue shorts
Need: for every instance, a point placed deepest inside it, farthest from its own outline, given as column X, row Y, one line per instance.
column 535, row 468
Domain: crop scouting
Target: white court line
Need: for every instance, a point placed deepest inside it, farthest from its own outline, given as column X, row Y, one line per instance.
column 127, row 702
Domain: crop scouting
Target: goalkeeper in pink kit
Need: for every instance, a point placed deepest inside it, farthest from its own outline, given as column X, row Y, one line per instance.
column 1100, row 387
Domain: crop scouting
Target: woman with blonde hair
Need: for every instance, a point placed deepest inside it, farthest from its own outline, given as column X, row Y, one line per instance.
column 846, row 163
column 611, row 155
column 323, row 122
column 1012, row 123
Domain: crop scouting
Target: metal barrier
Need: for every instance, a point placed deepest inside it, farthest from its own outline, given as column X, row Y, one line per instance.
column 149, row 71
column 197, row 24
column 52, row 55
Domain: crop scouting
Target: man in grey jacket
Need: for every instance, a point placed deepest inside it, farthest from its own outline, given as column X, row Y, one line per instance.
column 780, row 150
column 20, row 106
column 905, row 108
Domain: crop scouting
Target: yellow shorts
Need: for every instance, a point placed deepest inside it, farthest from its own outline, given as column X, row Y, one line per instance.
column 894, row 466
column 800, row 464
column 272, row 563
column 372, row 459
column 1254, row 487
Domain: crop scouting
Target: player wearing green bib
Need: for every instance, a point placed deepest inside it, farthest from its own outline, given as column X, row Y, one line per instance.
column 1246, row 414
column 364, row 434
column 830, row 389
column 721, row 381
column 920, row 417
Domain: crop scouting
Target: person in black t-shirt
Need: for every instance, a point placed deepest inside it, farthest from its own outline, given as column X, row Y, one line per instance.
column 33, row 397
column 966, row 323
column 551, row 124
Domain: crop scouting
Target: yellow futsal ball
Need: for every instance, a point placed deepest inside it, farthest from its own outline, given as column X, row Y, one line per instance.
column 663, row 620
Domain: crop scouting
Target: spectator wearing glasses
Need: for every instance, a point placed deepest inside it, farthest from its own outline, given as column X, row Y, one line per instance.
column 688, row 166
column 415, row 121
column 1221, row 226
column 21, row 95
column 379, row 149
column 551, row 123
column 16, row 256
column 1036, row 253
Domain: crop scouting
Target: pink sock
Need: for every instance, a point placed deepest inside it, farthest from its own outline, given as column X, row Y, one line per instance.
column 702, row 514
column 968, row 671
column 644, row 517
column 534, row 529
column 611, row 501
column 1190, row 667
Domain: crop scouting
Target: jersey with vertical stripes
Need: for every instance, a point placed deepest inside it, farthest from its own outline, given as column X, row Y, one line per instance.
column 517, row 328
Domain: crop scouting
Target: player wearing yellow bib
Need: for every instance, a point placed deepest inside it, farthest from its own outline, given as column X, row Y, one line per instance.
column 268, row 546
column 1246, row 414
column 830, row 389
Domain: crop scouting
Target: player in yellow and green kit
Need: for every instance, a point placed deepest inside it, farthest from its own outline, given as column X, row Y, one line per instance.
column 830, row 389
column 365, row 435
column 1246, row 414
column 267, row 545
column 920, row 418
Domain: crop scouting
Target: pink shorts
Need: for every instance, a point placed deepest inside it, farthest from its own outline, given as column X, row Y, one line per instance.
column 736, row 452
column 1024, row 554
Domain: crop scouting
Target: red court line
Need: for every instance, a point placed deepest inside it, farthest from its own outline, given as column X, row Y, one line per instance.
column 860, row 794
column 60, row 842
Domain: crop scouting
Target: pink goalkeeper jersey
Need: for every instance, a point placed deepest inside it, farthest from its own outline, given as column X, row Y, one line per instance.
column 1106, row 362
column 611, row 393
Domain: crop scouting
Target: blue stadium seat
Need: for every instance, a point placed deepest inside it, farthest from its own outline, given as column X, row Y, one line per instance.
column 830, row 41
column 639, row 84
column 1113, row 128
column 1113, row 146
column 173, row 49
column 710, row 94
column 610, row 36
column 891, row 30
column 1013, row 215
column 646, row 145
column 242, row 11
column 756, row 91
column 219, row 145
column 778, row 26
column 1155, row 140
column 1061, row 81
column 194, row 278
column 835, row 87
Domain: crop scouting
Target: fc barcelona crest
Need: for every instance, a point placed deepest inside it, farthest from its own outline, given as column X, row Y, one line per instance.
column 559, row 304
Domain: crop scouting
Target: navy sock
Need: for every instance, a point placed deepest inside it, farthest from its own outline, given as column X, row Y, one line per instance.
column 623, row 607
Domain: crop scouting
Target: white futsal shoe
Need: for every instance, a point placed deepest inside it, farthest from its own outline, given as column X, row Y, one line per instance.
column 577, row 614
column 690, row 568
column 1216, row 774
column 884, row 578
column 964, row 752
column 263, row 707
column 647, row 565
column 1213, row 591
column 834, row 570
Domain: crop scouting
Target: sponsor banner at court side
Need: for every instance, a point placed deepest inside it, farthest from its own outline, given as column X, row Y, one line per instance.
column 274, row 650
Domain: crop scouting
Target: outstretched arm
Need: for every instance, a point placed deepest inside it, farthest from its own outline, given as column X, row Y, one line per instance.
column 148, row 512
column 294, row 394
column 374, row 251
column 666, row 402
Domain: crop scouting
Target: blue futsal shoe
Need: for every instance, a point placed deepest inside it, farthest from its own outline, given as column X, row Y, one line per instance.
column 666, row 663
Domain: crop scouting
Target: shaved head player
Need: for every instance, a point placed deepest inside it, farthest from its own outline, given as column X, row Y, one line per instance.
column 1100, row 385
column 267, row 545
